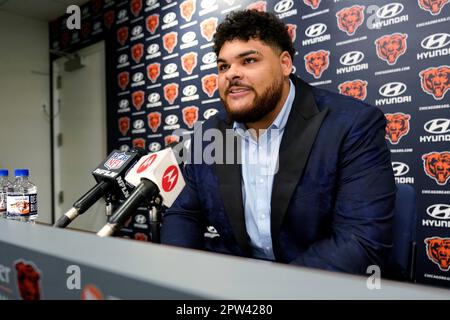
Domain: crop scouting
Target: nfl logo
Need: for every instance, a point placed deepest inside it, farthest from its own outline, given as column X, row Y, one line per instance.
column 116, row 161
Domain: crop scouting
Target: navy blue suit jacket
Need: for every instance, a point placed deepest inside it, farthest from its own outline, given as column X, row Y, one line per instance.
column 332, row 197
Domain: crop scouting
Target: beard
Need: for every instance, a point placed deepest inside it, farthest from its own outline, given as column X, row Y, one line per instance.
column 261, row 106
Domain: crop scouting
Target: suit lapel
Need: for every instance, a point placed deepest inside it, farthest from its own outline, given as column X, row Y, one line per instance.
column 229, row 176
column 300, row 132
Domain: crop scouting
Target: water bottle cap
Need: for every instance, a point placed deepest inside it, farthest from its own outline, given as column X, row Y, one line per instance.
column 21, row 173
column 4, row 172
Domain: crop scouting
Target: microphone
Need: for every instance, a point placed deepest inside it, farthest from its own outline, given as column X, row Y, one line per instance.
column 156, row 176
column 110, row 175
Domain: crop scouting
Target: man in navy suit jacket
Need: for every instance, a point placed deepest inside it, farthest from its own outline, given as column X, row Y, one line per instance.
column 328, row 200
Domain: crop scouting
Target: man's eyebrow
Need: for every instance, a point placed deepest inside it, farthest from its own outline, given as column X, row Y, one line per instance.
column 241, row 55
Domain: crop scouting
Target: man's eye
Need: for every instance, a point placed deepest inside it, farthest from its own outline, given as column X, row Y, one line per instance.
column 223, row 67
column 249, row 60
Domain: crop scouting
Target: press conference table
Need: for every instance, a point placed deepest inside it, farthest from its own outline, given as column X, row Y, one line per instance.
column 74, row 265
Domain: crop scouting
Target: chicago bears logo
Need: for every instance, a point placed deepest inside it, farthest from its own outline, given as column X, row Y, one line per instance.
column 152, row 23
column 355, row 88
column 391, row 47
column 28, row 281
column 138, row 99
column 136, row 7
column 91, row 292
column 209, row 84
column 170, row 40
column 96, row 6
column 436, row 81
column 433, row 6
column 108, row 19
column 190, row 116
column 350, row 19
column 122, row 35
column 292, row 30
column 153, row 71
column 314, row 4
column 438, row 251
column 189, row 62
column 124, row 125
column 397, row 126
column 85, row 30
column 437, row 166
column 137, row 51
column 123, row 79
column 187, row 9
column 168, row 140
column 316, row 62
column 171, row 92
column 139, row 143
column 208, row 28
column 65, row 39
column 154, row 121
column 140, row 236
column 258, row 6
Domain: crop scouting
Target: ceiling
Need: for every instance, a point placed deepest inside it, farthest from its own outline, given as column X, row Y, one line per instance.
column 43, row 10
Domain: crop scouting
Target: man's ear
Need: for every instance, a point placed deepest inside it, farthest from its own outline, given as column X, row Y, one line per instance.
column 286, row 63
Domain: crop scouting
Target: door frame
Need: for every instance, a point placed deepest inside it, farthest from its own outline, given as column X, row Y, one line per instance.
column 54, row 123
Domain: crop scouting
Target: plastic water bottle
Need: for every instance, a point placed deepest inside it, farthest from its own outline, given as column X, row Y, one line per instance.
column 21, row 202
column 5, row 187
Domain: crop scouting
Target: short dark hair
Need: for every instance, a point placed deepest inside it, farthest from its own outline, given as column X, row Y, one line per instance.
column 251, row 24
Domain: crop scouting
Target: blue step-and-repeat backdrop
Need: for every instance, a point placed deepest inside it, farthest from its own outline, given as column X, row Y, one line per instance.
column 161, row 76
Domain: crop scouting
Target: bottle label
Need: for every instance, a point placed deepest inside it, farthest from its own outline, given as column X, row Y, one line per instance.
column 20, row 204
column 2, row 202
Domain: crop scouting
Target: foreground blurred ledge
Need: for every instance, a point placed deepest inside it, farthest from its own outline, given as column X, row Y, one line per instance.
column 40, row 262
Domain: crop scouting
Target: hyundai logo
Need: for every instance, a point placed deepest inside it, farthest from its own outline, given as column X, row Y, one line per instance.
column 190, row 90
column 137, row 30
column 437, row 126
column 208, row 58
column 154, row 147
column 123, row 104
column 188, row 37
column 170, row 17
column 170, row 68
column 351, row 58
column 436, row 41
column 124, row 148
column 171, row 119
column 390, row 10
column 209, row 113
column 439, row 211
column 154, row 97
column 392, row 89
column 138, row 124
column 122, row 14
column 283, row 6
column 152, row 49
column 400, row 168
column 137, row 77
column 207, row 4
column 316, row 30
column 140, row 218
column 123, row 58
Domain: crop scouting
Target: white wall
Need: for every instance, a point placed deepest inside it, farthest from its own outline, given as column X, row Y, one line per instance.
column 24, row 88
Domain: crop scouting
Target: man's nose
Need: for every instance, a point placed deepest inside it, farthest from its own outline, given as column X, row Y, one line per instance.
column 233, row 73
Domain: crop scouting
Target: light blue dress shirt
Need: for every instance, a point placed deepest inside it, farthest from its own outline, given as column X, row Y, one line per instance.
column 259, row 166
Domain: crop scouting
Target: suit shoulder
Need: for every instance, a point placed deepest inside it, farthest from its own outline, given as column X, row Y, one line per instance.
column 336, row 102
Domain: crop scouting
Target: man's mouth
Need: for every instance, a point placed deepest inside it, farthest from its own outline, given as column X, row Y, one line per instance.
column 238, row 92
